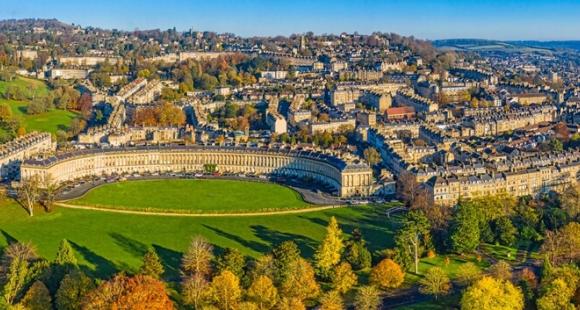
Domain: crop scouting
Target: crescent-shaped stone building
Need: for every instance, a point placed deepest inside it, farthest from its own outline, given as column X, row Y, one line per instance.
column 348, row 178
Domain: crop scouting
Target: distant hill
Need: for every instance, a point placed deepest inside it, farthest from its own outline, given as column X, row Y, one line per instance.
column 505, row 46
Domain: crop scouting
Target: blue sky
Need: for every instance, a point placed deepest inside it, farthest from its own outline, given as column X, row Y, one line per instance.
column 431, row 19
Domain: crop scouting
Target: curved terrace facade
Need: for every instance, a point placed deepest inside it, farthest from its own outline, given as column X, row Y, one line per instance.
column 347, row 178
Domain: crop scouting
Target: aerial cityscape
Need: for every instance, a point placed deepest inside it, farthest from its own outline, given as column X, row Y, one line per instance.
column 309, row 155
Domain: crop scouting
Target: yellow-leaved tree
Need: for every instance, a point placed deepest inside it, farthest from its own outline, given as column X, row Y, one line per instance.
column 490, row 294
column 330, row 250
column 225, row 290
column 387, row 274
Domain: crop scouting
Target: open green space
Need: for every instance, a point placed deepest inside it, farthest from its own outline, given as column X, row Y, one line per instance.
column 108, row 242
column 193, row 196
column 50, row 121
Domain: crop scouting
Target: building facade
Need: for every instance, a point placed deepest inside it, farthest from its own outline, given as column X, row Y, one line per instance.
column 347, row 178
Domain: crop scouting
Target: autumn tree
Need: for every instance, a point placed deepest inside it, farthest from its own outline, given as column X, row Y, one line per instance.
column 72, row 290
column 232, row 260
column 490, row 294
column 330, row 250
column 285, row 258
column 331, row 301
column 170, row 115
column 558, row 295
column 152, row 265
column 300, row 282
column 29, row 193
column 468, row 273
column 559, row 287
column 37, row 297
column 343, row 278
column 501, row 271
column 387, row 274
column 367, row 298
column 290, row 304
column 263, row 292
column 435, row 282
column 372, row 156
column 198, row 257
column 563, row 245
column 195, row 291
column 48, row 192
column 262, row 266
column 570, row 201
column 225, row 290
column 122, row 292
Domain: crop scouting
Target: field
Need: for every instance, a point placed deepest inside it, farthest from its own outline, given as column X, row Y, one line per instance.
column 195, row 196
column 108, row 242
column 50, row 121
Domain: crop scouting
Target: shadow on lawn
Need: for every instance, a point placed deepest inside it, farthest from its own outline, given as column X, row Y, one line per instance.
column 103, row 267
column 377, row 229
column 255, row 246
column 132, row 246
column 9, row 238
column 171, row 261
column 305, row 244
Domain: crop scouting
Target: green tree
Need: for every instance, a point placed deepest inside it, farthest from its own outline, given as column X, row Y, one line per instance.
column 435, row 282
column 356, row 252
column 412, row 238
column 37, row 297
column 232, row 260
column 330, row 250
column 152, row 265
column 285, row 258
column 505, row 231
column 65, row 256
column 73, row 288
column 465, row 229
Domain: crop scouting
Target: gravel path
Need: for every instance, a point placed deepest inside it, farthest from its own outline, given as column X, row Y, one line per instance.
column 176, row 214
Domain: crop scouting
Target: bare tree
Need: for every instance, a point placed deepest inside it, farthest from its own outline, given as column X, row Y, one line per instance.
column 408, row 188
column 29, row 193
column 49, row 192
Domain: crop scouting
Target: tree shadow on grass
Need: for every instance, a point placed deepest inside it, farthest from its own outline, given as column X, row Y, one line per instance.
column 103, row 267
column 171, row 262
column 9, row 238
column 378, row 230
column 305, row 244
column 132, row 246
column 253, row 245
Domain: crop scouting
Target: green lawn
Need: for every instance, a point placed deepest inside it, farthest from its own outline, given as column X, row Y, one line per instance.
column 196, row 196
column 108, row 242
column 50, row 121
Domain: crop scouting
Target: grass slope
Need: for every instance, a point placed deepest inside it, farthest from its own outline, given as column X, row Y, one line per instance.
column 198, row 196
column 110, row 242
column 50, row 121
